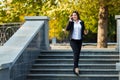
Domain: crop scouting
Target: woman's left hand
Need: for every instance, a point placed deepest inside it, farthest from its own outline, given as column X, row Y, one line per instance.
column 86, row 32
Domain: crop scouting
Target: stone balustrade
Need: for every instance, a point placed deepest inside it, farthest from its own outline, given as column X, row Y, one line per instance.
column 19, row 52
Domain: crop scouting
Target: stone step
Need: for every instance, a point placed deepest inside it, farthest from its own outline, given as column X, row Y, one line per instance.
column 70, row 71
column 81, row 61
column 72, row 77
column 82, row 52
column 62, row 56
column 76, row 78
column 58, row 65
column 70, row 66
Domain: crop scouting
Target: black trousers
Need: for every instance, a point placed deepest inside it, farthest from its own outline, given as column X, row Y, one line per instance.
column 76, row 47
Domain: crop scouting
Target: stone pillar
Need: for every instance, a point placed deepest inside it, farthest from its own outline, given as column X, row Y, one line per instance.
column 117, row 17
column 43, row 35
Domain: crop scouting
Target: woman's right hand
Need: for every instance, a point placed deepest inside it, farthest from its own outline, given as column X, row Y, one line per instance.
column 70, row 18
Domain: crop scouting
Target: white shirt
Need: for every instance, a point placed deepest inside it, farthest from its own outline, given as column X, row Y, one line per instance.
column 77, row 31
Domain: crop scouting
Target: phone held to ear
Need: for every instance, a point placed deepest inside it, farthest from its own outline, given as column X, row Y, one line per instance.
column 70, row 18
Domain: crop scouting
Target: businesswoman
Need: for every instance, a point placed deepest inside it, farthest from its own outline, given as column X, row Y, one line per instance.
column 76, row 31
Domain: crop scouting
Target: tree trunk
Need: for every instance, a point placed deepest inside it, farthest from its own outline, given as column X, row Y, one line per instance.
column 102, row 27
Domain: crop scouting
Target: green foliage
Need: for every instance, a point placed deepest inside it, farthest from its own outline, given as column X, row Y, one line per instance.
column 59, row 11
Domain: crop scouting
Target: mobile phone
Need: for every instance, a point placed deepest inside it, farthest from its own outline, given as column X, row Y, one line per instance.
column 71, row 18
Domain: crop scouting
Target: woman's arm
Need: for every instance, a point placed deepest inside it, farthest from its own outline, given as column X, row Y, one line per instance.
column 85, row 32
column 68, row 27
column 83, row 27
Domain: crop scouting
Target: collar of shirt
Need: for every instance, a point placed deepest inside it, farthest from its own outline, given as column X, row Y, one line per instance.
column 77, row 22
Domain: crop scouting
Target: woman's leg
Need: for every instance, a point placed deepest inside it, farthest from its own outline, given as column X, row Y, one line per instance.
column 77, row 53
column 76, row 47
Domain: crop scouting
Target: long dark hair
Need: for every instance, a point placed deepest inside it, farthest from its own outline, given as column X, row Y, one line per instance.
column 76, row 14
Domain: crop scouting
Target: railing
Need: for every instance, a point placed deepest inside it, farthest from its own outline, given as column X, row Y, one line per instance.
column 7, row 30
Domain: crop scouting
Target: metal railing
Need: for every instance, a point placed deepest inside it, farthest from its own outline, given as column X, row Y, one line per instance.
column 7, row 30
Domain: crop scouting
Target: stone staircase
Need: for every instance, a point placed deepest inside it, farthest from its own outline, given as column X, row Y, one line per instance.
column 58, row 65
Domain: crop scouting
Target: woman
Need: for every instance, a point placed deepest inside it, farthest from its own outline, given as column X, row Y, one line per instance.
column 76, row 31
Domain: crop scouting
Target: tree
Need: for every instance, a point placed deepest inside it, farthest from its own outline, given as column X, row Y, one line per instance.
column 106, row 23
column 59, row 10
column 102, row 25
